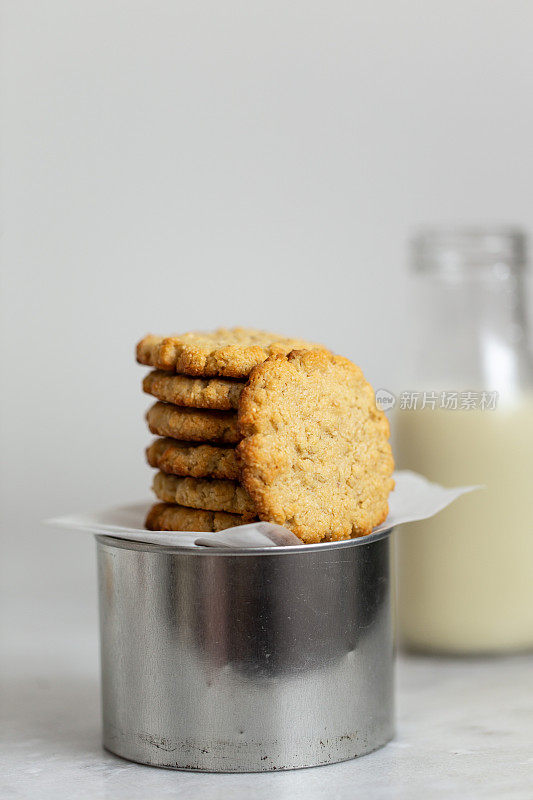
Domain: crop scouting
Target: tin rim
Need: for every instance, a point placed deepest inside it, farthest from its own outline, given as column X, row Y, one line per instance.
column 132, row 544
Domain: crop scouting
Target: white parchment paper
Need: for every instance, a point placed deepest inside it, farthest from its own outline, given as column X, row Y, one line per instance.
column 414, row 498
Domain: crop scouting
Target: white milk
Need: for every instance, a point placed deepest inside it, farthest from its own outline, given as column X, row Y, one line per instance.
column 466, row 576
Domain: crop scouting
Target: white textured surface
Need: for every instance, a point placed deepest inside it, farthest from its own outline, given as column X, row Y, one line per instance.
column 465, row 729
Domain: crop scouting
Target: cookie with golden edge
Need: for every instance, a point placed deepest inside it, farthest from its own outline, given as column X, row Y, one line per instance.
column 211, row 495
column 168, row 517
column 191, row 424
column 194, row 460
column 226, row 352
column 315, row 455
column 220, row 394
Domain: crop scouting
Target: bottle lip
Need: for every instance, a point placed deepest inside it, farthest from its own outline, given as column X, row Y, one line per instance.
column 455, row 249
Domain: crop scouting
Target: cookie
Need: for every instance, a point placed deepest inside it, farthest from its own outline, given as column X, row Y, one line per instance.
column 192, row 424
column 315, row 455
column 211, row 495
column 167, row 517
column 195, row 460
column 228, row 352
column 221, row 394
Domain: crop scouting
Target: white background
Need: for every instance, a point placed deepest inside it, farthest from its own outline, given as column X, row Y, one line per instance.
column 172, row 165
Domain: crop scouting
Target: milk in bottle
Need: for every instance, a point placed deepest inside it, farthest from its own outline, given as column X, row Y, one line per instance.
column 465, row 577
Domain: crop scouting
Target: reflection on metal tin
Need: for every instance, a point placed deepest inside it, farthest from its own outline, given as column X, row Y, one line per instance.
column 234, row 661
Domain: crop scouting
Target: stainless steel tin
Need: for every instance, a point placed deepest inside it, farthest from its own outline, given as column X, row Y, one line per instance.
column 247, row 660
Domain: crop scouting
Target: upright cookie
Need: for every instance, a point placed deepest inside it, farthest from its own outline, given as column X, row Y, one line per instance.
column 211, row 495
column 228, row 352
column 194, row 460
column 315, row 453
column 192, row 424
column 167, row 517
column 220, row 394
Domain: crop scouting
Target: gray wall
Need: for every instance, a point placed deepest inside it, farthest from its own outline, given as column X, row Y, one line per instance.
column 172, row 165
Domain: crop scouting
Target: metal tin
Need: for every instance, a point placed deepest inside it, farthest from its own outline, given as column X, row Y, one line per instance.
column 247, row 660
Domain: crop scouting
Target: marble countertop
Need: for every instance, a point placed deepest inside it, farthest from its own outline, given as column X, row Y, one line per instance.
column 465, row 729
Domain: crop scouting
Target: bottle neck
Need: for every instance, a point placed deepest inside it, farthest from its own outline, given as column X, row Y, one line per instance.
column 471, row 332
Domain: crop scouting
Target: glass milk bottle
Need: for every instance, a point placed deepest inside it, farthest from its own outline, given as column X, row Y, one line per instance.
column 466, row 576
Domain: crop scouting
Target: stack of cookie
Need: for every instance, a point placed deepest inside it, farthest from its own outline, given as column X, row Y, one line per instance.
column 198, row 381
column 258, row 426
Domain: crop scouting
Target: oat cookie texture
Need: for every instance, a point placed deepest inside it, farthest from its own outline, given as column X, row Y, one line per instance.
column 191, row 424
column 167, row 517
column 315, row 455
column 221, row 394
column 211, row 495
column 226, row 352
column 196, row 460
